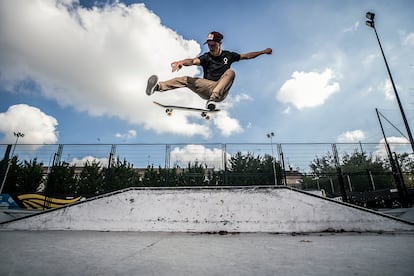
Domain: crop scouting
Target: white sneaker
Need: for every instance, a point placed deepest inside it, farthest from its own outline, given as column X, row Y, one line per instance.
column 152, row 85
column 211, row 105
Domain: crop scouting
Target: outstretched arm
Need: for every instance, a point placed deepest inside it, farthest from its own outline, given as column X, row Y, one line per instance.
column 251, row 55
column 177, row 65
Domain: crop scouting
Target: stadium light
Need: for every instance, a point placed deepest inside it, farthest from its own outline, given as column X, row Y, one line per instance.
column 370, row 23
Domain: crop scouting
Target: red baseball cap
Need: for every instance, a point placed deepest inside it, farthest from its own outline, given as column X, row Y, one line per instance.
column 214, row 36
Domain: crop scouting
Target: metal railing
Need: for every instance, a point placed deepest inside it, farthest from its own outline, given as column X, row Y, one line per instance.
column 293, row 159
column 298, row 156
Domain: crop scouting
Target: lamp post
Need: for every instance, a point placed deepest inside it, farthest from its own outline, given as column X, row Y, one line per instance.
column 18, row 135
column 270, row 135
column 370, row 23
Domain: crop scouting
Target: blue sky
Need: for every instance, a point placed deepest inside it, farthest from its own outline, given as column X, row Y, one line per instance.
column 76, row 71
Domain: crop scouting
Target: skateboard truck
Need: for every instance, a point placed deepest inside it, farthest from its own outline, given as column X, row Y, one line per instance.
column 205, row 113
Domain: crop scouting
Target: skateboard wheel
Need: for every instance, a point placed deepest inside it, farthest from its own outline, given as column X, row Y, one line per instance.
column 205, row 115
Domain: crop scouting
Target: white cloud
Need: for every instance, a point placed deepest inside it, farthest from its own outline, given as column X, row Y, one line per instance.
column 388, row 90
column 227, row 125
column 369, row 59
column 286, row 110
column 213, row 158
column 97, row 60
column 397, row 144
column 409, row 39
column 223, row 121
column 351, row 136
column 369, row 90
column 81, row 162
column 130, row 134
column 306, row 90
column 37, row 127
column 231, row 100
column 240, row 98
column 353, row 28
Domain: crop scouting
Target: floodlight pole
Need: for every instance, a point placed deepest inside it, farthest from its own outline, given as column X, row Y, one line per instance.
column 18, row 135
column 370, row 23
column 270, row 135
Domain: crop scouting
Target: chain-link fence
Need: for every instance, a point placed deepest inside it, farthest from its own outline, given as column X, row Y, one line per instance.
column 335, row 169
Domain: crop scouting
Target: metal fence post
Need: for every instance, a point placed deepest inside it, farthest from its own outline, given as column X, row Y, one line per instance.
column 224, row 156
column 339, row 174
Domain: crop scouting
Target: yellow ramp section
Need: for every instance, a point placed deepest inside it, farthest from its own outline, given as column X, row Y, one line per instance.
column 36, row 201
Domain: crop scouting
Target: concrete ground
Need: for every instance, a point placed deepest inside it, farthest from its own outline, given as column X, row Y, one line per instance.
column 146, row 253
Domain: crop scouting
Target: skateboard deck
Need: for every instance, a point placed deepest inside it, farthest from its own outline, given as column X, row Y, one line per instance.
column 204, row 112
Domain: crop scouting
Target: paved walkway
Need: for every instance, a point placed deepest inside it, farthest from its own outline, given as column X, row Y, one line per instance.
column 135, row 253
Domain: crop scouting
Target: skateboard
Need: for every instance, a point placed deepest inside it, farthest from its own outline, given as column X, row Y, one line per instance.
column 204, row 112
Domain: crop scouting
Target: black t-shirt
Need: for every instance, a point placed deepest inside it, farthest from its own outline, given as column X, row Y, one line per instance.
column 214, row 67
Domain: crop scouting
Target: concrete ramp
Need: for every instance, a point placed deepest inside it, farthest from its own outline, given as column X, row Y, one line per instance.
column 259, row 209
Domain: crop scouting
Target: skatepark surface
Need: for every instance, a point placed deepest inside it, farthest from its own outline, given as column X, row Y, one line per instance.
column 206, row 210
column 221, row 231
column 154, row 253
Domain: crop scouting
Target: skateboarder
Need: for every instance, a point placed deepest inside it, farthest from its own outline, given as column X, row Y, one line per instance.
column 218, row 77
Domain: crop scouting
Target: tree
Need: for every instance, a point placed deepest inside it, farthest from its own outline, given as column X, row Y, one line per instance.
column 91, row 179
column 267, row 164
column 61, row 180
column 152, row 177
column 358, row 166
column 407, row 167
column 29, row 177
column 10, row 186
column 120, row 176
column 246, row 169
column 195, row 175
column 310, row 182
column 160, row 177
column 23, row 178
column 323, row 166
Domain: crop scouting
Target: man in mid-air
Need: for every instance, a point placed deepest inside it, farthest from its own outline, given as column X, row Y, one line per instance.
column 218, row 77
